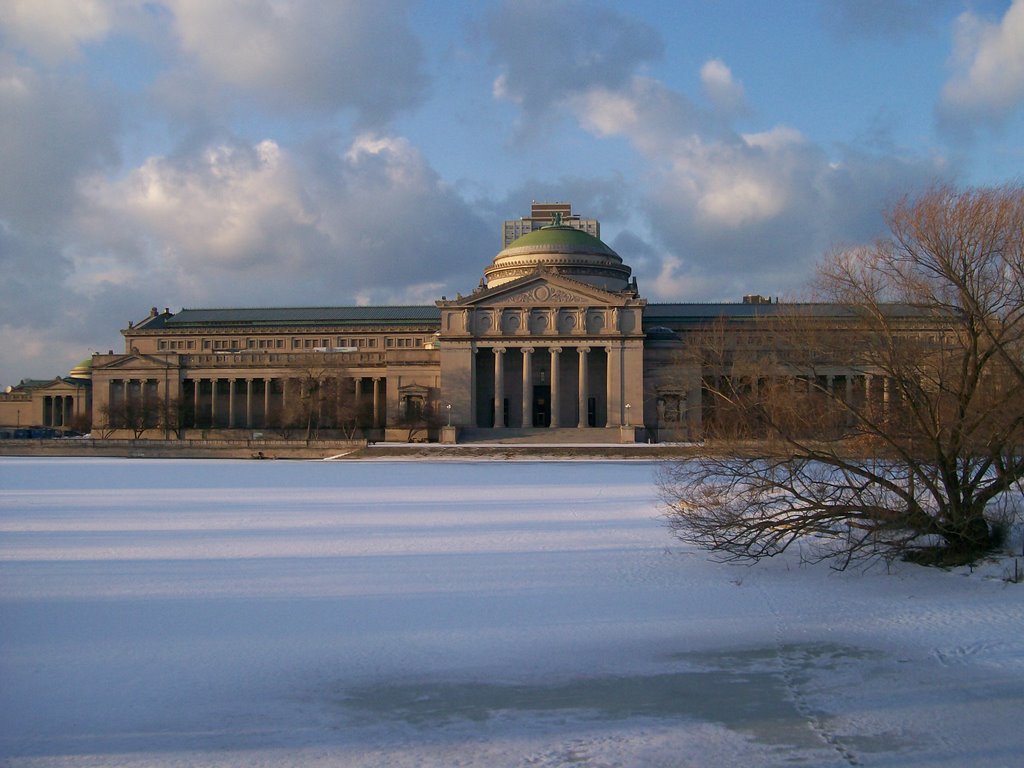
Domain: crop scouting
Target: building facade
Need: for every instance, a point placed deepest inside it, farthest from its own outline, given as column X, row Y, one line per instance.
column 555, row 340
column 36, row 408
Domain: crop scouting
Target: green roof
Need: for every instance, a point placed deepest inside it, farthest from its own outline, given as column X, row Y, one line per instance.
column 397, row 315
column 562, row 237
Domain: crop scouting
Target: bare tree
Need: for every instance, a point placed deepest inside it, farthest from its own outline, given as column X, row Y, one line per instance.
column 323, row 398
column 132, row 412
column 906, row 451
column 174, row 414
column 421, row 419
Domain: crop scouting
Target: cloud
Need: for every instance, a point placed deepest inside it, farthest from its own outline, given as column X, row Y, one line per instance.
column 988, row 79
column 52, row 30
column 650, row 115
column 548, row 51
column 892, row 19
column 51, row 130
column 722, row 89
column 730, row 213
column 307, row 54
column 237, row 223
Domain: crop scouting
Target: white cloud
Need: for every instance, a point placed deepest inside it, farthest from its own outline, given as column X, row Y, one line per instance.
column 734, row 213
column 308, row 54
column 218, row 212
column 54, row 29
column 235, row 223
column 775, row 139
column 724, row 91
column 550, row 50
column 988, row 81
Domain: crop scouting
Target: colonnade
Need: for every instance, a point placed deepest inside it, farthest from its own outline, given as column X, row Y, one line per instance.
column 248, row 402
column 58, row 410
column 547, row 385
column 254, row 402
column 868, row 390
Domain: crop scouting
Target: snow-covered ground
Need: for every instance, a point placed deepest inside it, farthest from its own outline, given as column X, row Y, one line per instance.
column 243, row 613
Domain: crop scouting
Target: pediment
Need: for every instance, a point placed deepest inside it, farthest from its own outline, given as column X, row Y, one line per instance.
column 58, row 387
column 542, row 289
column 137, row 362
column 61, row 386
column 416, row 390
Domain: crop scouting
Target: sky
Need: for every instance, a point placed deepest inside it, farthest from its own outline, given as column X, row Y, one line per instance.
column 224, row 153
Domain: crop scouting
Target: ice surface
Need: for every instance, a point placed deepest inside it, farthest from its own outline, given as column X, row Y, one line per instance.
column 439, row 613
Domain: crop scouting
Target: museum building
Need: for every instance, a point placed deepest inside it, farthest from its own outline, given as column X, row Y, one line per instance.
column 555, row 343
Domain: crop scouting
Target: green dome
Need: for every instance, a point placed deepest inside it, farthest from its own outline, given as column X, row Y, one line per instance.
column 83, row 370
column 564, row 250
column 562, row 237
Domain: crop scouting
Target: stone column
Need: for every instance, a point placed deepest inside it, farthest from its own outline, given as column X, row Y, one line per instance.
column 584, row 389
column 213, row 402
column 376, row 401
column 554, row 385
column 195, row 402
column 611, row 410
column 231, row 403
column 499, row 387
column 474, row 416
column 527, row 387
column 267, row 383
column 248, row 403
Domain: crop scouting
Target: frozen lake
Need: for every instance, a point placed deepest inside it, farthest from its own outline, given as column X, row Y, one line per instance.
column 243, row 613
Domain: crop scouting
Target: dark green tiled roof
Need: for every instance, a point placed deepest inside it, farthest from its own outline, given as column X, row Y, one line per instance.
column 400, row 315
column 658, row 314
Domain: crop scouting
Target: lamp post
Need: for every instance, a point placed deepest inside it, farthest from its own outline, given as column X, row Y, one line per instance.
column 448, row 407
column 628, row 406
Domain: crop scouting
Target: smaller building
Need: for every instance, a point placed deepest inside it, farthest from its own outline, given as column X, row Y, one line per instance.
column 544, row 215
column 44, row 407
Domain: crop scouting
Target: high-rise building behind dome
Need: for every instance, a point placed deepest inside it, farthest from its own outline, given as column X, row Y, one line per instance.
column 544, row 214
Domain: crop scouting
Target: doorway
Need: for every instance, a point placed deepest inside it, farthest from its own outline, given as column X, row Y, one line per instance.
column 541, row 405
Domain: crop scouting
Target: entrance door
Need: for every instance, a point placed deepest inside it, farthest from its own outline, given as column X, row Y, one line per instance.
column 541, row 405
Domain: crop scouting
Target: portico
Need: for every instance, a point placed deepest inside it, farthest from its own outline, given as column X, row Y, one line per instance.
column 552, row 339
